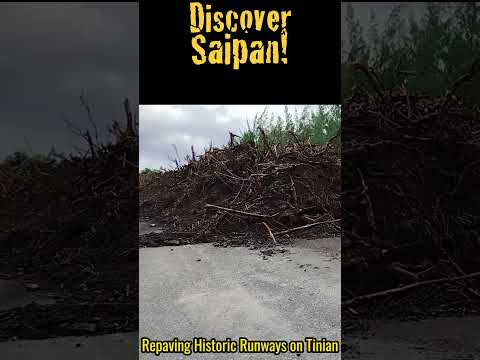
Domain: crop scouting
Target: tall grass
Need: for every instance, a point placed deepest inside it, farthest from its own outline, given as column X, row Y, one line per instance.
column 314, row 125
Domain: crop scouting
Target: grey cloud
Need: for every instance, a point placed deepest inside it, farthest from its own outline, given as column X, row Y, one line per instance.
column 196, row 126
column 54, row 52
column 187, row 125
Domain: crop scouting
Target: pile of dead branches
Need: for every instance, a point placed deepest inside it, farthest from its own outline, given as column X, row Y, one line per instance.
column 411, row 207
column 72, row 221
column 237, row 191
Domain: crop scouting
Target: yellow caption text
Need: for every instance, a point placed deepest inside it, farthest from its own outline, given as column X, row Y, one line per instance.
column 241, row 30
column 242, row 345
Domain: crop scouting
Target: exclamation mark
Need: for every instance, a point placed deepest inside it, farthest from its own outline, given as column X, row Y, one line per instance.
column 284, row 45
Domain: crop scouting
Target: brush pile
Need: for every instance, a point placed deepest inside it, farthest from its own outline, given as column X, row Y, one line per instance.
column 72, row 223
column 411, row 206
column 239, row 195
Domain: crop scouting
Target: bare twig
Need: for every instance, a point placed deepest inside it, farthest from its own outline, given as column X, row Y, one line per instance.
column 474, row 69
column 270, row 234
column 304, row 227
column 408, row 287
column 294, row 192
column 128, row 113
column 238, row 211
column 88, row 109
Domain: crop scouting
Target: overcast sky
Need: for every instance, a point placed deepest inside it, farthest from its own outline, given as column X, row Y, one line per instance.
column 162, row 126
column 50, row 54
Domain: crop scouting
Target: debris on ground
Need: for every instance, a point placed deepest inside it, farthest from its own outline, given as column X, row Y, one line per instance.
column 273, row 251
column 70, row 222
column 239, row 196
column 411, row 206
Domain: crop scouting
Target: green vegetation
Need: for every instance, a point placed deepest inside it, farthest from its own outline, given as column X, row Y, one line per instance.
column 314, row 125
column 438, row 47
column 317, row 125
column 148, row 171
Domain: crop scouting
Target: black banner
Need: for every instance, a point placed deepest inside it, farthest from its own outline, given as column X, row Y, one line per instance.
column 236, row 52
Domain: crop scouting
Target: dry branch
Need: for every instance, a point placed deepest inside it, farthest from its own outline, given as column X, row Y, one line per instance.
column 239, row 212
column 270, row 234
column 408, row 287
column 305, row 227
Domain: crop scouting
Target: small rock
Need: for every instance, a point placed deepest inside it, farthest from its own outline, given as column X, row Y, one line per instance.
column 153, row 225
column 87, row 327
column 32, row 287
column 172, row 242
column 199, row 259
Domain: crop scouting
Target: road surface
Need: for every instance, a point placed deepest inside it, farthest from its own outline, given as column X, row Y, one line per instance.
column 215, row 292
column 433, row 339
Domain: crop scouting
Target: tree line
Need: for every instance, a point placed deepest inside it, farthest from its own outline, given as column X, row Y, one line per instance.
column 426, row 54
